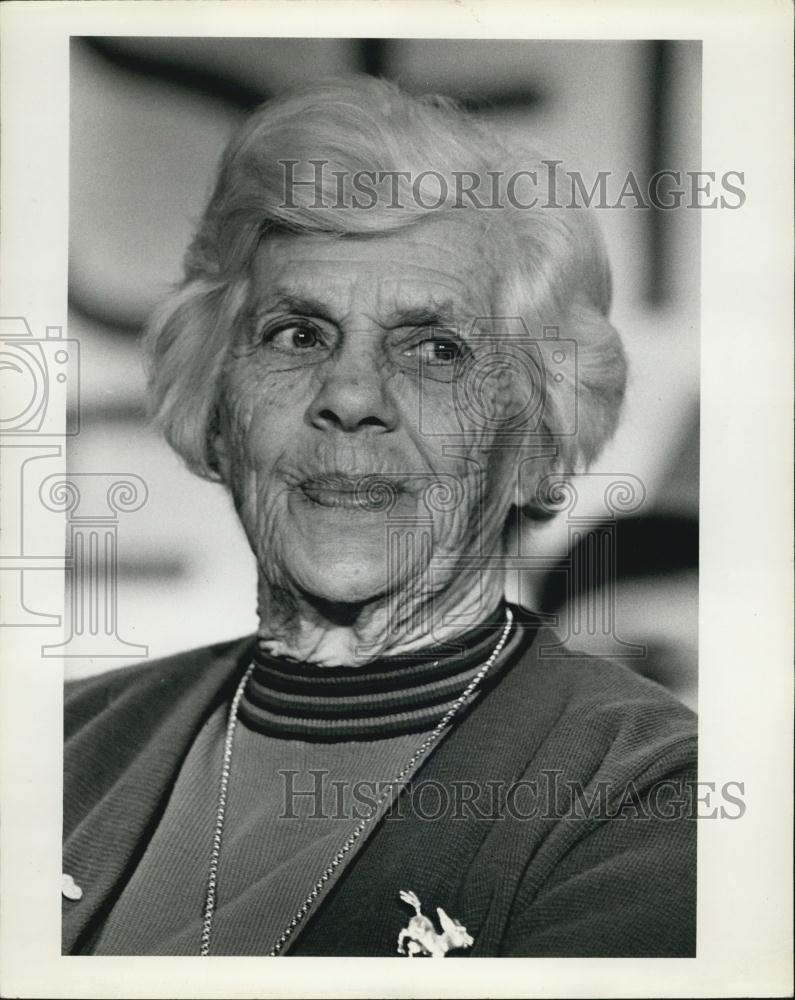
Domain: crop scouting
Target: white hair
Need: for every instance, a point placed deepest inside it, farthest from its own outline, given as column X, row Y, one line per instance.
column 552, row 267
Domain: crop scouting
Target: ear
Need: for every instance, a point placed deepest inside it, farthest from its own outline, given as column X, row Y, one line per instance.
column 220, row 457
column 217, row 448
column 448, row 924
column 530, row 486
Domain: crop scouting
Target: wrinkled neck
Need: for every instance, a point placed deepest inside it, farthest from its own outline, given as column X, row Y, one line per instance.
column 295, row 626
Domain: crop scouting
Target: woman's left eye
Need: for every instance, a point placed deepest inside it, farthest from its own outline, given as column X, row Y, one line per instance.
column 436, row 351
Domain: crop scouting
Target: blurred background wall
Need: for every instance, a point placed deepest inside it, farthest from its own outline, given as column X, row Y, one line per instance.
column 149, row 117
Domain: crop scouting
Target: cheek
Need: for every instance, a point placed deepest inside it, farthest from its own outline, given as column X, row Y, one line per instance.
column 486, row 480
column 262, row 415
column 455, row 442
column 429, row 409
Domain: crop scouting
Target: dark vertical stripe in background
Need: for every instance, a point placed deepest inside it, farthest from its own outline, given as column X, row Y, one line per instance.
column 658, row 273
column 372, row 55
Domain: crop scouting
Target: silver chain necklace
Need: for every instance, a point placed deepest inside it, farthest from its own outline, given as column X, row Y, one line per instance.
column 223, row 792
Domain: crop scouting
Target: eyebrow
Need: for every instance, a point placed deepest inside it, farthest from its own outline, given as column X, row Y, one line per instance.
column 439, row 314
column 301, row 304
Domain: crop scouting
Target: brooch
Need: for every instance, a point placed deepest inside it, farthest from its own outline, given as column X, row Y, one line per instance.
column 420, row 937
column 69, row 888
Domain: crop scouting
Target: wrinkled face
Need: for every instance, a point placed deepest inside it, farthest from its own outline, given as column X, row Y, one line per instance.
column 353, row 463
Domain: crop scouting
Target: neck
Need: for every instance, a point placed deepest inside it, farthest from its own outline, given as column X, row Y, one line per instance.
column 310, row 630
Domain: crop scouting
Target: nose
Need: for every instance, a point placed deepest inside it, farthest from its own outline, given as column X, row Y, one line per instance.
column 354, row 395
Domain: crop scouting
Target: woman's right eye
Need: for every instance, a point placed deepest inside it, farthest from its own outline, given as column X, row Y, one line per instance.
column 294, row 337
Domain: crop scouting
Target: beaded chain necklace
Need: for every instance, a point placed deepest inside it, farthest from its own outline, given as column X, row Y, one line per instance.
column 223, row 793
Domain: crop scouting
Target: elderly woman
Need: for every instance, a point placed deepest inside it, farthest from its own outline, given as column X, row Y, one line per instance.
column 383, row 346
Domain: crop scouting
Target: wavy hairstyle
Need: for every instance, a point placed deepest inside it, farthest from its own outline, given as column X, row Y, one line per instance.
column 551, row 264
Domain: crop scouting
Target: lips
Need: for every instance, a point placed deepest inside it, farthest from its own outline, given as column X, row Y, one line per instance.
column 338, row 491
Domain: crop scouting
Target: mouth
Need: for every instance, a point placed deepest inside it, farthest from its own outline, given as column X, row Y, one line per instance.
column 341, row 492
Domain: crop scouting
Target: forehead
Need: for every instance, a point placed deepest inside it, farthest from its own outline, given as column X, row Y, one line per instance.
column 439, row 263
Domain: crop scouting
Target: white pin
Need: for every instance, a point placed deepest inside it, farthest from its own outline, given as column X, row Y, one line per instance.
column 420, row 937
column 70, row 888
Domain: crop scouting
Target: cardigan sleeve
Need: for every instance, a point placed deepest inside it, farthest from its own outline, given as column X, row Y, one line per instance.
column 627, row 888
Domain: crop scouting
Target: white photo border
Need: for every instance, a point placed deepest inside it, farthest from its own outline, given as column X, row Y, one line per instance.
column 745, row 699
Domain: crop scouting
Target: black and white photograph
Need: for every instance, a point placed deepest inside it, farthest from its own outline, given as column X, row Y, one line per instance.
column 392, row 348
column 372, row 499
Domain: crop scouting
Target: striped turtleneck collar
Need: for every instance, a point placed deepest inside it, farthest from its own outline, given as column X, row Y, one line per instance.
column 388, row 697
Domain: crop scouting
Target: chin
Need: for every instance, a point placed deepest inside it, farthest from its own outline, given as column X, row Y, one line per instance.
column 349, row 585
column 341, row 579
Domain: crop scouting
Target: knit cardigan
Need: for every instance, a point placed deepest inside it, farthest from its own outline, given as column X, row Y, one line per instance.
column 565, row 829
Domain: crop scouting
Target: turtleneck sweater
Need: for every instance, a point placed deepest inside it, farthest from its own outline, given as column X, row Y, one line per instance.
column 388, row 697
column 313, row 749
